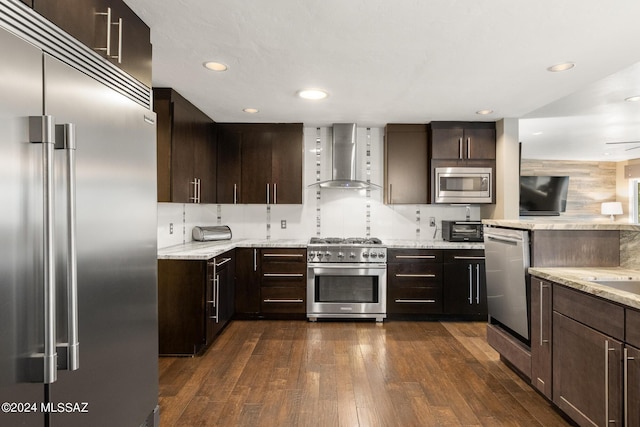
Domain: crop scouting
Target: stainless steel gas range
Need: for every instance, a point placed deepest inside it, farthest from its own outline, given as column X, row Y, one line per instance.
column 346, row 278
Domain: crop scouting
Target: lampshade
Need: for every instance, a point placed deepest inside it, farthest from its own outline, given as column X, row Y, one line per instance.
column 611, row 208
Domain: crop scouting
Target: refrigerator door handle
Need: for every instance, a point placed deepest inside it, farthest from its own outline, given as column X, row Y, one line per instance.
column 44, row 365
column 66, row 140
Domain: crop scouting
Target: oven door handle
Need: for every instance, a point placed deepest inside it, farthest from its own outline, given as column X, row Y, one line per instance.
column 347, row 266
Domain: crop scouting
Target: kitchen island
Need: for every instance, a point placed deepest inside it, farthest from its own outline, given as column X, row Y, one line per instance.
column 583, row 298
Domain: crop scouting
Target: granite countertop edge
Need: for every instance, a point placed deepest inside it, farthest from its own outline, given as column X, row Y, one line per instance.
column 581, row 279
column 550, row 224
column 207, row 250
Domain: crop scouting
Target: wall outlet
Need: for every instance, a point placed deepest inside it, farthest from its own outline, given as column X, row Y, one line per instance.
column 170, row 228
column 283, row 223
column 432, row 221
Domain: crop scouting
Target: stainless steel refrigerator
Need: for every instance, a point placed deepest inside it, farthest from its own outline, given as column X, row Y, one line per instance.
column 78, row 210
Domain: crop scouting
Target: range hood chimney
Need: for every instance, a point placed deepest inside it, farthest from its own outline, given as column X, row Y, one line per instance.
column 344, row 159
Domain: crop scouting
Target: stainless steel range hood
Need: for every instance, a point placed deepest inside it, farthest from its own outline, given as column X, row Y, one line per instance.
column 344, row 159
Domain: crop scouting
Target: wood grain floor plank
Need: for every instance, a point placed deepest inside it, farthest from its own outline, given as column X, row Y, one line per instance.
column 352, row 374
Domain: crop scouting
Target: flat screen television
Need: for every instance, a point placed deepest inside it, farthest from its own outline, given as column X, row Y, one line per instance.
column 543, row 195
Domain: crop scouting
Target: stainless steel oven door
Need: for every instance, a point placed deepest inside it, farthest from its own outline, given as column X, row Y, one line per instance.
column 346, row 291
column 463, row 185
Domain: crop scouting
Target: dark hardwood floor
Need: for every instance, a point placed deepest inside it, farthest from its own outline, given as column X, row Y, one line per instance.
column 298, row 373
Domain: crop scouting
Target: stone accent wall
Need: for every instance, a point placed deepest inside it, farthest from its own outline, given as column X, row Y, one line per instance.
column 590, row 183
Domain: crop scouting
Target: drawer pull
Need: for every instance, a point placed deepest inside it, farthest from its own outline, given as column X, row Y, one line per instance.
column 223, row 262
column 427, row 301
column 415, row 257
column 283, row 300
column 468, row 257
column 283, row 275
column 281, row 255
column 428, row 276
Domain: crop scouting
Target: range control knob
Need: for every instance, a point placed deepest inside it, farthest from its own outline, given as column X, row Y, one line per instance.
column 380, row 254
column 352, row 255
column 374, row 255
column 320, row 255
column 340, row 255
column 327, row 254
column 365, row 255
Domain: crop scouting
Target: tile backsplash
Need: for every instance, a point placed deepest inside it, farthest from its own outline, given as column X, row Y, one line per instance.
column 328, row 212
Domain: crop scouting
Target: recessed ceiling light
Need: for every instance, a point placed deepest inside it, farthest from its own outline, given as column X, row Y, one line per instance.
column 633, row 98
column 561, row 67
column 312, row 94
column 215, row 66
column 484, row 112
column 250, row 110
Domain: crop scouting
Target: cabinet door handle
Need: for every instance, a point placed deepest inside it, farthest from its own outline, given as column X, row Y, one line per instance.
column 283, row 275
column 606, row 382
column 478, row 284
column 275, row 193
column 106, row 49
column 470, row 285
column 196, row 190
column 119, row 55
column 460, row 148
column 267, row 193
column 409, row 301
column 255, row 260
column 429, row 276
column 626, row 385
column 390, row 193
column 283, row 300
column 468, row 147
column 542, row 288
column 235, row 193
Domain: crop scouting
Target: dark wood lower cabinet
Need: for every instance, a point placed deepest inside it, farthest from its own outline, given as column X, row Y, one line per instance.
column 283, row 284
column 541, row 313
column 632, row 386
column 195, row 301
column 271, row 283
column 587, row 374
column 465, row 283
column 414, row 288
column 247, row 300
column 414, row 282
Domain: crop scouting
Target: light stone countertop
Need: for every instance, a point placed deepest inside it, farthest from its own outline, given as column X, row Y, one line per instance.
column 560, row 224
column 206, row 250
column 431, row 244
column 580, row 279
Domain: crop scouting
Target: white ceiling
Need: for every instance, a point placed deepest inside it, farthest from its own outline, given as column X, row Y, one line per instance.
column 411, row 61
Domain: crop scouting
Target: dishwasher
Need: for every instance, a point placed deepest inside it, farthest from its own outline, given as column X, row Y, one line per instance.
column 507, row 262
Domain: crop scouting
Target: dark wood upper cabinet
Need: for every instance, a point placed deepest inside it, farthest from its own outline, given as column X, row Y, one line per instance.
column 79, row 18
column 186, row 150
column 270, row 163
column 229, row 164
column 406, row 164
column 256, row 167
column 91, row 21
column 130, row 43
column 463, row 140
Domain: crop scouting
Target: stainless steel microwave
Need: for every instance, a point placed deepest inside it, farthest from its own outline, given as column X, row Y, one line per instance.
column 463, row 185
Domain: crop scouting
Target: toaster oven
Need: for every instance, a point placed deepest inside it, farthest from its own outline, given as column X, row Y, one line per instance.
column 462, row 231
